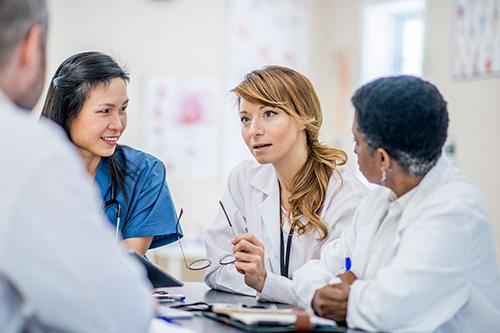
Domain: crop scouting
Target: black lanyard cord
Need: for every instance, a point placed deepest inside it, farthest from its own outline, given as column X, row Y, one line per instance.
column 285, row 262
column 284, row 256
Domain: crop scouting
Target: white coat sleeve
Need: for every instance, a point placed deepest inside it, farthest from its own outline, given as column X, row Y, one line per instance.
column 218, row 239
column 277, row 288
column 427, row 281
column 318, row 273
column 61, row 254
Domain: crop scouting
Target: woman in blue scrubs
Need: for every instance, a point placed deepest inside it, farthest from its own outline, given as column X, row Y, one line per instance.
column 88, row 98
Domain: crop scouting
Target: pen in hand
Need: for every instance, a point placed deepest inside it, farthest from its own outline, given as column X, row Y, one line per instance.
column 347, row 264
column 348, row 276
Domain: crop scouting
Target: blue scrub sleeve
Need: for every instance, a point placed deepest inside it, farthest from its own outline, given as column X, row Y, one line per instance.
column 152, row 212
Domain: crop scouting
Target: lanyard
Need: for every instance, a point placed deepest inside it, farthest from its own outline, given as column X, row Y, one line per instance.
column 285, row 262
column 284, row 256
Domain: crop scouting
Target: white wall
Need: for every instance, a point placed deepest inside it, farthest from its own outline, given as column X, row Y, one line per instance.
column 176, row 37
column 474, row 107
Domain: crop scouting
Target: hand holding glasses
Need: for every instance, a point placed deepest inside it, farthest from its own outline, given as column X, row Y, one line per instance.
column 204, row 263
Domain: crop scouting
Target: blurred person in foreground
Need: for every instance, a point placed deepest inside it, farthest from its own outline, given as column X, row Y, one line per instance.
column 60, row 269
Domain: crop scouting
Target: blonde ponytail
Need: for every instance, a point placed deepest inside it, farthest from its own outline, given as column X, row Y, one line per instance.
column 309, row 187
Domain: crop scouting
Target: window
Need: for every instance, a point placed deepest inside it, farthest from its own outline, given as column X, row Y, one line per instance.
column 392, row 41
column 393, row 38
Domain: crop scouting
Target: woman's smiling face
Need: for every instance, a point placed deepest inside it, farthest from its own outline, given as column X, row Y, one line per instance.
column 102, row 120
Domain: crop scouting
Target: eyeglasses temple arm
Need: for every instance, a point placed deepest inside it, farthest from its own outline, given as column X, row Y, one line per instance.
column 179, row 237
column 227, row 217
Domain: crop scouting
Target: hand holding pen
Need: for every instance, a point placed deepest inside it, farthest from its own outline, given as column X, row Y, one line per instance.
column 348, row 276
column 331, row 301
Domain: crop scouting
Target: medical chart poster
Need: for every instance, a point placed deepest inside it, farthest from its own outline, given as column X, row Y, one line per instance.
column 476, row 39
column 181, row 125
column 266, row 32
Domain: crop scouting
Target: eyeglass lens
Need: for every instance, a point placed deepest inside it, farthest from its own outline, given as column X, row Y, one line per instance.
column 202, row 263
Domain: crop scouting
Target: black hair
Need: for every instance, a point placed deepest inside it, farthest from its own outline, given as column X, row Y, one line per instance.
column 407, row 117
column 68, row 91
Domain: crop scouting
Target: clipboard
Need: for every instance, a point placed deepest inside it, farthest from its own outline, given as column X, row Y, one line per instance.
column 269, row 320
column 265, row 328
column 158, row 277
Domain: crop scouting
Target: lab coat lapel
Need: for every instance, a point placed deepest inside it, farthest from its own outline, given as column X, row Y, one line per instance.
column 266, row 183
column 432, row 179
column 409, row 214
column 271, row 228
column 368, row 223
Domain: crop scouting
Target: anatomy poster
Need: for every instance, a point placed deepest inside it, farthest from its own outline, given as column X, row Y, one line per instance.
column 476, row 38
column 181, row 125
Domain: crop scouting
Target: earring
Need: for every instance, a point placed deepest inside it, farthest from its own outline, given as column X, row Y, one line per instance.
column 383, row 178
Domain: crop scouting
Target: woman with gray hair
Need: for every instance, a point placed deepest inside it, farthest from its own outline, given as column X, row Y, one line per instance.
column 419, row 255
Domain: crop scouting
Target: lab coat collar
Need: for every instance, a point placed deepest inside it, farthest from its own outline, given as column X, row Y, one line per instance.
column 402, row 201
column 265, row 179
column 405, row 203
column 8, row 103
column 430, row 180
column 4, row 99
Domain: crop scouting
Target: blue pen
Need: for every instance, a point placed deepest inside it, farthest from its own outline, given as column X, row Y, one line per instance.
column 347, row 263
column 178, row 297
column 168, row 320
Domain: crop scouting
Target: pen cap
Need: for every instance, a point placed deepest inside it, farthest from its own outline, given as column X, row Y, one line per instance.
column 347, row 264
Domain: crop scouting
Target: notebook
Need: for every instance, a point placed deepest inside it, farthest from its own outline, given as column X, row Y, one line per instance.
column 266, row 320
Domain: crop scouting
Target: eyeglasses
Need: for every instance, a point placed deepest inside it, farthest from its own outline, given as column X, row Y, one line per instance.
column 204, row 263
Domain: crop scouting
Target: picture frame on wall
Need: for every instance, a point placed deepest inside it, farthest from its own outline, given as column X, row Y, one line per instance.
column 476, row 39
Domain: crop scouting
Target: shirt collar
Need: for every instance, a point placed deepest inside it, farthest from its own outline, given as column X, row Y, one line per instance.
column 262, row 180
column 435, row 174
column 5, row 99
column 429, row 179
column 403, row 200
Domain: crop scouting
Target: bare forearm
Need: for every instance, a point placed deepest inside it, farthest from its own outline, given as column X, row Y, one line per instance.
column 139, row 244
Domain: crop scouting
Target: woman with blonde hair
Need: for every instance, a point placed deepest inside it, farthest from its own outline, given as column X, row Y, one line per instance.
column 283, row 209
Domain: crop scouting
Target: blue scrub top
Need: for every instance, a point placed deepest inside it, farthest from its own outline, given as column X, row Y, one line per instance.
column 150, row 210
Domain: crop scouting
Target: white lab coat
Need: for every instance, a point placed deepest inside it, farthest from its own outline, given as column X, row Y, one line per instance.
column 438, row 273
column 61, row 269
column 252, row 203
